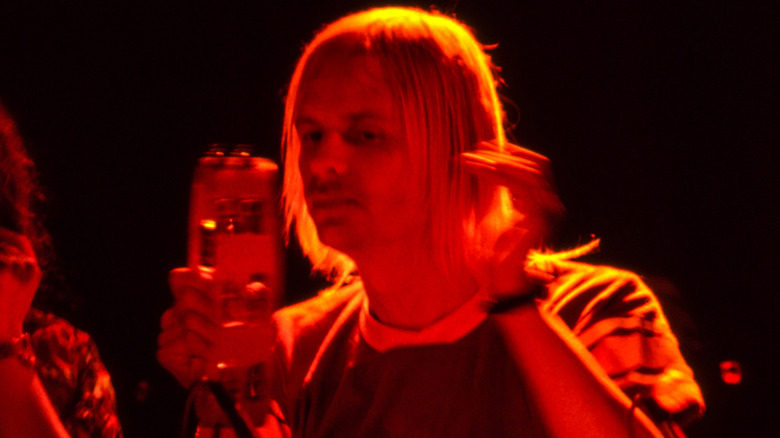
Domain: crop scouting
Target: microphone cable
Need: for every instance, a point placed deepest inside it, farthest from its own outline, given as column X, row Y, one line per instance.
column 239, row 420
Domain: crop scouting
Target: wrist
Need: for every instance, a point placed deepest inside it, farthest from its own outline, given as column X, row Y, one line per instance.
column 246, row 382
column 248, row 390
column 526, row 299
column 248, row 387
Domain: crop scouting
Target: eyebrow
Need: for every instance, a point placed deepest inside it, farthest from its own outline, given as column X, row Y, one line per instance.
column 354, row 117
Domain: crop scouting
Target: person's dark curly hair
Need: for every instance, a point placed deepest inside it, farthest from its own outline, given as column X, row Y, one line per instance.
column 20, row 193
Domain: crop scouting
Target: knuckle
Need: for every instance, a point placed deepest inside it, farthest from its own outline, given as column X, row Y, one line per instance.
column 176, row 275
column 186, row 298
column 167, row 319
column 195, row 343
column 257, row 289
column 191, row 322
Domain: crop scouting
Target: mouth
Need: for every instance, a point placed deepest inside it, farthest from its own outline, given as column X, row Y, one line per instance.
column 331, row 211
column 330, row 203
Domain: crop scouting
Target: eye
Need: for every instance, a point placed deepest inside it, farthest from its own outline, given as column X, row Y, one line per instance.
column 311, row 136
column 364, row 136
column 369, row 135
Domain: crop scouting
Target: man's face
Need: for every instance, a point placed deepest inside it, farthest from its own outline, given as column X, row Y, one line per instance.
column 354, row 158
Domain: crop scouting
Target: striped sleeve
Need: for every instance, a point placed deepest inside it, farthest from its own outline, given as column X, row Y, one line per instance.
column 617, row 317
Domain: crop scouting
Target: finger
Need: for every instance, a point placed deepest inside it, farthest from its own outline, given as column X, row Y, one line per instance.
column 180, row 343
column 521, row 152
column 168, row 319
column 185, row 365
column 493, row 157
column 513, row 150
column 204, row 327
column 517, row 180
column 256, row 290
column 191, row 323
column 526, row 180
column 526, row 197
column 191, row 300
column 504, row 163
column 177, row 326
column 512, row 177
column 170, row 335
column 255, row 311
column 531, row 160
column 488, row 145
column 183, row 278
column 258, row 299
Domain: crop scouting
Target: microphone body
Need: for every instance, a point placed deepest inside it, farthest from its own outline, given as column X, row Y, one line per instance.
column 234, row 232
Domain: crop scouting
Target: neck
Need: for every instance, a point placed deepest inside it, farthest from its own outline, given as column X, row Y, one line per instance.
column 407, row 289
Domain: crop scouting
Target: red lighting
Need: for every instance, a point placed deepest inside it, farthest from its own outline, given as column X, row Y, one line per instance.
column 731, row 372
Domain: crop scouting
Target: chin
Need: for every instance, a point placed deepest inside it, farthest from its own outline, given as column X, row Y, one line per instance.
column 350, row 244
column 337, row 237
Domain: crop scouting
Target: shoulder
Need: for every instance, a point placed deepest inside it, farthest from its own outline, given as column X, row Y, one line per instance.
column 616, row 316
column 302, row 328
column 316, row 314
column 55, row 340
column 302, row 331
column 73, row 375
column 583, row 294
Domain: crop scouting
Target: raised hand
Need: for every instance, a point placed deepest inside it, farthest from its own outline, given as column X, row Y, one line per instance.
column 189, row 328
column 195, row 341
column 528, row 177
column 526, row 174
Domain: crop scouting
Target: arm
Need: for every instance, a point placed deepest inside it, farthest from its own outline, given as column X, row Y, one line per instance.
column 567, row 386
column 621, row 323
column 25, row 409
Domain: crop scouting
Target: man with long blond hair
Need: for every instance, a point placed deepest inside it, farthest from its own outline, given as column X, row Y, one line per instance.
column 443, row 319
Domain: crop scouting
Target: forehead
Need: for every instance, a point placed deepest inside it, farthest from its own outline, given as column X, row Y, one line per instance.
column 339, row 82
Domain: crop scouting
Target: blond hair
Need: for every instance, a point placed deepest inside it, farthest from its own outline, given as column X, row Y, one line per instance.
column 445, row 85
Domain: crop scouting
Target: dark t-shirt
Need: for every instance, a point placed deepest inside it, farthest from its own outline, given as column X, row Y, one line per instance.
column 447, row 390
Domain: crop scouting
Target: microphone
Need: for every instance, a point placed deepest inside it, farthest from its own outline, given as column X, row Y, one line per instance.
column 234, row 233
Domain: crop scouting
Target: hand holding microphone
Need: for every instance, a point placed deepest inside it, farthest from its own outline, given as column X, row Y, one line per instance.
column 219, row 328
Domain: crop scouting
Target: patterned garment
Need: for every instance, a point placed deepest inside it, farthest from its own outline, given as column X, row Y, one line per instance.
column 78, row 385
column 618, row 318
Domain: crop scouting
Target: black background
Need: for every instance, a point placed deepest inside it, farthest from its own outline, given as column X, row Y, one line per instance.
column 661, row 119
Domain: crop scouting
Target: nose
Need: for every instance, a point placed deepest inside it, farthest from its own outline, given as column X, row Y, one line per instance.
column 326, row 158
